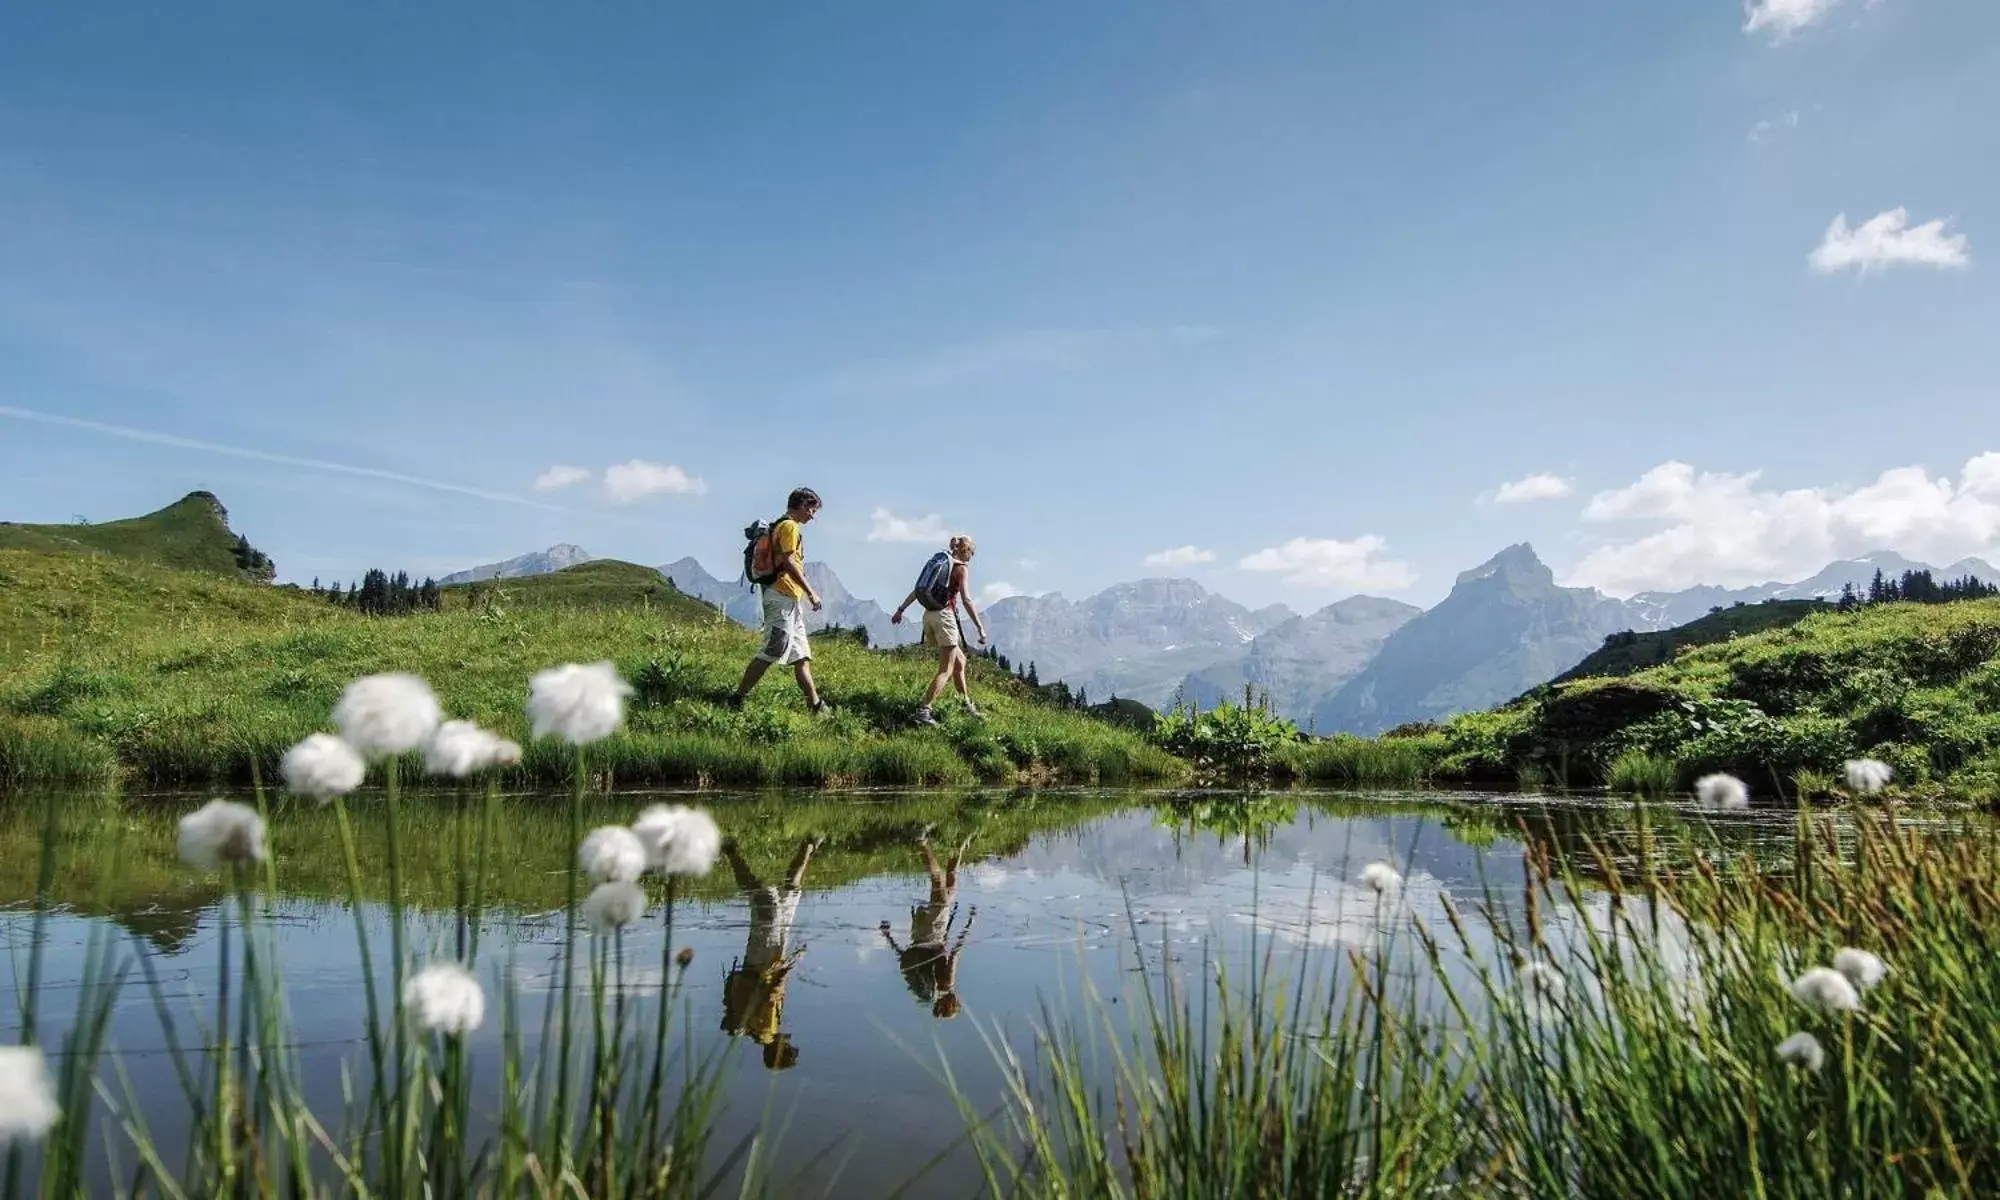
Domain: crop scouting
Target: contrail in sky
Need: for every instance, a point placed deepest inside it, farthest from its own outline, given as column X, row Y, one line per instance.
column 317, row 464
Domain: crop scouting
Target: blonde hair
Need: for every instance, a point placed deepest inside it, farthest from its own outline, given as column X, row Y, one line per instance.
column 961, row 545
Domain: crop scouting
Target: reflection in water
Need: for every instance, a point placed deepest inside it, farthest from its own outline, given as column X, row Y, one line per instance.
column 1072, row 891
column 929, row 970
column 753, row 994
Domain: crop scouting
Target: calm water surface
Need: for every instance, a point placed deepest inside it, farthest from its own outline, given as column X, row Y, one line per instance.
column 904, row 948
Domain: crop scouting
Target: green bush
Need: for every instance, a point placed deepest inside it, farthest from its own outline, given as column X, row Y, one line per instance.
column 1227, row 740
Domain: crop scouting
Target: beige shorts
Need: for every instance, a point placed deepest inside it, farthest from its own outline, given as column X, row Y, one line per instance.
column 941, row 629
column 784, row 630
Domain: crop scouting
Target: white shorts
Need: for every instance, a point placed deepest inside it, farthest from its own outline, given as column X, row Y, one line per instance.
column 784, row 630
column 941, row 629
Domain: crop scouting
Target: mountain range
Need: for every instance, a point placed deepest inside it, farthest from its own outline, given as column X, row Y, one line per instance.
column 1505, row 627
column 1667, row 609
column 1362, row 664
column 544, row 562
column 1138, row 640
column 839, row 606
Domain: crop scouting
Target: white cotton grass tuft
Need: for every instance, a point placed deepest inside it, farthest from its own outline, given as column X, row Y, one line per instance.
column 384, row 715
column 1862, row 969
column 678, row 840
column 577, row 703
column 1721, row 791
column 445, row 998
column 28, row 1108
column 460, row 748
column 1868, row 775
column 1802, row 1050
column 221, row 833
column 1381, row 878
column 1543, row 990
column 613, row 854
column 613, row 906
column 1826, row 990
column 322, row 766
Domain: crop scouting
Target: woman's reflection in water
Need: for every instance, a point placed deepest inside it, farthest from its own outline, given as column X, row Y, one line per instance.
column 931, row 971
column 753, row 995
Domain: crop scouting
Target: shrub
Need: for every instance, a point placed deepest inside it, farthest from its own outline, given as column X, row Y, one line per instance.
column 1808, row 784
column 1237, row 742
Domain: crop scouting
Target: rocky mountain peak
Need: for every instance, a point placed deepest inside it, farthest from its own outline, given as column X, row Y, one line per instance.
column 1517, row 565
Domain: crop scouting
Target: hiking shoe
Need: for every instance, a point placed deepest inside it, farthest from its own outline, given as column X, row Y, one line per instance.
column 734, row 703
column 924, row 716
column 972, row 710
column 822, row 709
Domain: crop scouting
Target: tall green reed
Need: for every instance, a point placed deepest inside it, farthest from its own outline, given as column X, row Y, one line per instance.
column 413, row 1129
column 1604, row 1029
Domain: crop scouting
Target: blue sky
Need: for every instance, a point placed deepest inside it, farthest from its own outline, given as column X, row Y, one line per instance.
column 1289, row 290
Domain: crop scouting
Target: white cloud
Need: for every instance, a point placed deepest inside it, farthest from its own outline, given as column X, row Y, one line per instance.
column 1721, row 528
column 885, row 526
column 559, row 477
column 997, row 591
column 1539, row 486
column 1783, row 18
column 1028, row 564
column 1887, row 240
column 1771, row 127
column 638, row 479
column 1180, row 556
column 1330, row 562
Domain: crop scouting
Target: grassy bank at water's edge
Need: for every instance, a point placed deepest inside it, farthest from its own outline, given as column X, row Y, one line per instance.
column 1916, row 686
column 119, row 667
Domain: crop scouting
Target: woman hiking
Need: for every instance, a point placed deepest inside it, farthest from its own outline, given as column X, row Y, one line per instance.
column 941, row 587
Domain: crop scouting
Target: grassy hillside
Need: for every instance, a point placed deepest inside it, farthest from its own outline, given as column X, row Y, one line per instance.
column 1917, row 686
column 1625, row 653
column 121, row 667
column 192, row 534
column 602, row 583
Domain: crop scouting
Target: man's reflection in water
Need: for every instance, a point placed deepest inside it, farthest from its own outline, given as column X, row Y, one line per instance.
column 753, row 995
column 930, row 971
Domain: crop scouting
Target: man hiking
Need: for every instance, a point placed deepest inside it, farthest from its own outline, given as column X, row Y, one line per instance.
column 775, row 562
column 753, row 993
column 941, row 587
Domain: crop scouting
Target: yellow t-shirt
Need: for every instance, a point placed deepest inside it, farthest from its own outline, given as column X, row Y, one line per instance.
column 786, row 538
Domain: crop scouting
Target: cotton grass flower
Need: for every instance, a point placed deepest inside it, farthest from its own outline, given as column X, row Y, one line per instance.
column 221, row 833
column 322, row 766
column 1721, row 791
column 578, row 703
column 460, row 748
column 1861, row 968
column 1826, row 990
column 445, row 998
column 1381, row 878
column 1802, row 1050
column 612, row 906
column 385, row 715
column 678, row 840
column 1543, row 990
column 28, row 1108
column 1868, row 775
column 613, row 854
